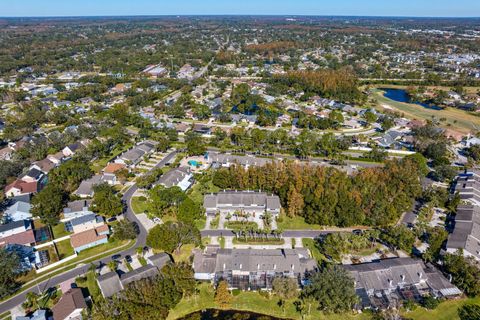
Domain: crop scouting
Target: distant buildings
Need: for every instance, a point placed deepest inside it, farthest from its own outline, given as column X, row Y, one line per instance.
column 466, row 233
column 251, row 269
column 387, row 283
column 252, row 202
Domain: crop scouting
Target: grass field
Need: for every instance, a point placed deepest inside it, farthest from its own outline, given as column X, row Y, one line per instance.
column 251, row 301
column 64, row 249
column 456, row 119
column 445, row 311
column 59, row 231
column 296, row 223
column 138, row 205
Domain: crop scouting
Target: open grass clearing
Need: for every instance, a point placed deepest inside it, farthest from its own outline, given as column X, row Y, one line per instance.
column 456, row 119
column 254, row 302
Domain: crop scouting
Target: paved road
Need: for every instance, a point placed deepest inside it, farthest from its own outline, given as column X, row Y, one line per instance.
column 141, row 240
column 287, row 233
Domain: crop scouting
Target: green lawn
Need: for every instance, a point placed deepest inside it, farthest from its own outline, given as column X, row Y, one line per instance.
column 445, row 311
column 99, row 164
column 251, row 301
column 184, row 254
column 296, row 223
column 138, row 205
column 59, row 231
column 90, row 282
column 64, row 249
column 310, row 244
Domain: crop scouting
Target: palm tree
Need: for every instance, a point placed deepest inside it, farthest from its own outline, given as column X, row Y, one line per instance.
column 112, row 265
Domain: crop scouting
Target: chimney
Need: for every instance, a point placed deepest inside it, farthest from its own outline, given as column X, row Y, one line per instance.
column 420, row 275
column 240, row 266
column 390, row 282
column 258, row 266
column 403, row 277
column 275, row 267
column 293, row 267
column 224, row 266
column 450, row 278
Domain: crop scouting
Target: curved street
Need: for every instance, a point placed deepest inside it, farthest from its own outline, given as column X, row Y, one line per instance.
column 78, row 271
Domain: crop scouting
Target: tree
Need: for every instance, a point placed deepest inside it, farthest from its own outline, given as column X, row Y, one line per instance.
column 112, row 265
column 9, row 264
column 195, row 145
column 333, row 288
column 183, row 275
column 223, row 298
column 48, row 204
column 285, row 288
column 465, row 275
column 125, row 230
column 399, row 237
column 171, row 236
column 188, row 211
column 370, row 117
column 69, row 175
column 105, row 201
column 469, row 312
column 435, row 238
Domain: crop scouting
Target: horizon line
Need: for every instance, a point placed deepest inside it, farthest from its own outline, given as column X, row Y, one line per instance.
column 237, row 15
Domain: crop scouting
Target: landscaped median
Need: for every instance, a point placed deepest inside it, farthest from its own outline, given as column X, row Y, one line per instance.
column 87, row 256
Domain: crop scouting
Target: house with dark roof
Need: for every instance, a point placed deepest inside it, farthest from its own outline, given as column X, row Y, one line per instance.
column 466, row 232
column 387, row 283
column 17, row 211
column 133, row 156
column 76, row 209
column 179, row 177
column 70, row 306
column 71, row 149
column 227, row 160
column 252, row 202
column 251, row 269
column 111, row 283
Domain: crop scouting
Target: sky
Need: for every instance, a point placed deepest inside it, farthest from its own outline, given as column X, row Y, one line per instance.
column 410, row 8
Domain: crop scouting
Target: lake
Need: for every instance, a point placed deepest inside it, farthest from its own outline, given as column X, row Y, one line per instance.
column 401, row 95
column 227, row 315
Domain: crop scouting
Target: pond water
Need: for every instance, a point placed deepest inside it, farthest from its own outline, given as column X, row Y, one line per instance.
column 227, row 315
column 401, row 95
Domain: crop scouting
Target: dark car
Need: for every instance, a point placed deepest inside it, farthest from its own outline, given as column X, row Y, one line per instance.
column 128, row 259
column 116, row 256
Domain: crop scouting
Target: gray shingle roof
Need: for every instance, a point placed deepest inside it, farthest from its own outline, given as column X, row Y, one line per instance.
column 241, row 200
column 109, row 284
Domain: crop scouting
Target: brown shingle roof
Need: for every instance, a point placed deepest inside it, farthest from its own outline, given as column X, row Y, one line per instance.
column 25, row 238
column 24, row 187
column 68, row 303
column 85, row 237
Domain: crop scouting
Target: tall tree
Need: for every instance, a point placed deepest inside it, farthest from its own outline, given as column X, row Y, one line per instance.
column 106, row 202
column 333, row 288
column 48, row 204
column 171, row 236
column 9, row 264
column 223, row 298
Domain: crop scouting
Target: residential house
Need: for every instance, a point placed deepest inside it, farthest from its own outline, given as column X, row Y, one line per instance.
column 111, row 283
column 466, row 232
column 251, row 269
column 44, row 165
column 19, row 188
column 226, row 160
column 76, row 209
column 39, row 314
column 17, row 232
column 18, row 211
column 468, row 186
column 253, row 202
column 84, row 223
column 70, row 150
column 70, row 306
column 112, row 168
column 90, row 238
column 135, row 155
column 387, row 283
column 29, row 257
column 179, row 177
column 56, row 158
